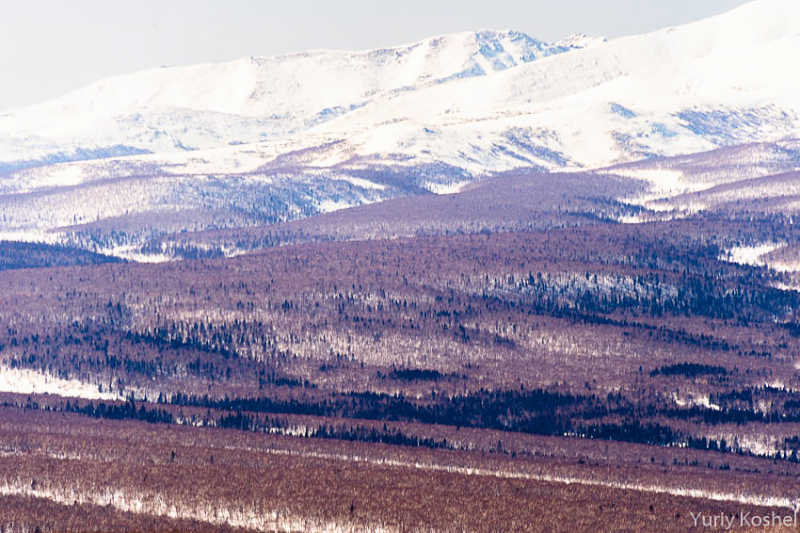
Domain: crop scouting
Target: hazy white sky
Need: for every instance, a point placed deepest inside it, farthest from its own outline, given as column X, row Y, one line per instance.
column 49, row 47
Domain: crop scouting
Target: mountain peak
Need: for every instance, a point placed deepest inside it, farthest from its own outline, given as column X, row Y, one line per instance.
column 581, row 40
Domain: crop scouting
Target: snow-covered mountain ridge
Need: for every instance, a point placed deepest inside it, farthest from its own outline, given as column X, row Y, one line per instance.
column 263, row 139
column 259, row 98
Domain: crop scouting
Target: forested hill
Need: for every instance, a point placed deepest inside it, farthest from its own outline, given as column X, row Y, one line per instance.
column 15, row 255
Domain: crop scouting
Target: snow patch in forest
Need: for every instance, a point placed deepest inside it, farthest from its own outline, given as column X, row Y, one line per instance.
column 663, row 182
column 132, row 253
column 695, row 400
column 27, row 236
column 329, row 206
column 750, row 255
column 362, row 183
column 450, row 188
column 761, row 445
column 27, row 381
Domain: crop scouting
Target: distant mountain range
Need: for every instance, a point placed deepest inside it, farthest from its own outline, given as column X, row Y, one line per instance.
column 263, row 140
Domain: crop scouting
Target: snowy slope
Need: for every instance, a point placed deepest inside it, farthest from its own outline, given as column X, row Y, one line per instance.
column 252, row 99
column 717, row 82
column 266, row 139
